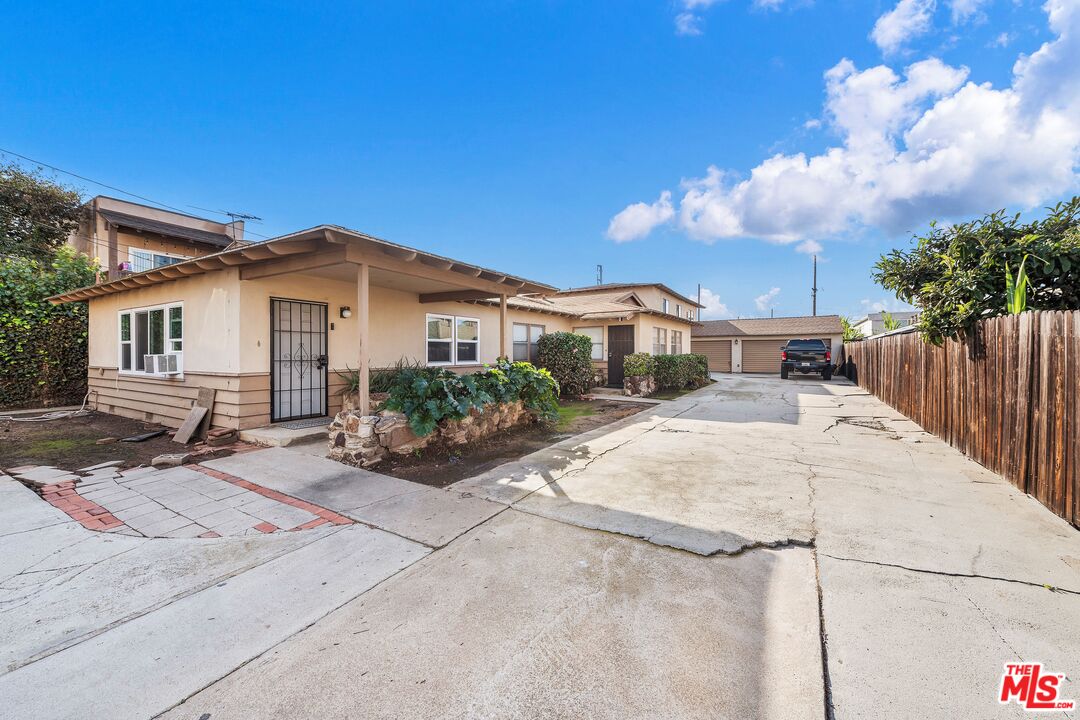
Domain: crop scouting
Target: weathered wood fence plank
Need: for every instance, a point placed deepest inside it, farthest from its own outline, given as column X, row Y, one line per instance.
column 1009, row 397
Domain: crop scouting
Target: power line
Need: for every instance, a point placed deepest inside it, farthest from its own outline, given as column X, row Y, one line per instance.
column 113, row 187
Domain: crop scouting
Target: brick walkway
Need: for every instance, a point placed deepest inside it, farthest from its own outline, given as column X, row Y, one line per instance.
column 183, row 502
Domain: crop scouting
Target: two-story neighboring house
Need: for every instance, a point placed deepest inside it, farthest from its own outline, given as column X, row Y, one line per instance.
column 874, row 323
column 128, row 237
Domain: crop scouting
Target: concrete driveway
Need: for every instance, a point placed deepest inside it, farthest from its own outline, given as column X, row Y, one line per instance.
column 759, row 548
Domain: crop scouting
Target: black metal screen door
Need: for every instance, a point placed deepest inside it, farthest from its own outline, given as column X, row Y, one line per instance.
column 298, row 387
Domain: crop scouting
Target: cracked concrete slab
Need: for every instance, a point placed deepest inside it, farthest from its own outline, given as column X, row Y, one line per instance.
column 180, row 647
column 525, row 617
column 904, row 644
column 431, row 516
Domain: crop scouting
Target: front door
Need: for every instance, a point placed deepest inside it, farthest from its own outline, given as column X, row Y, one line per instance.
column 298, row 387
column 620, row 340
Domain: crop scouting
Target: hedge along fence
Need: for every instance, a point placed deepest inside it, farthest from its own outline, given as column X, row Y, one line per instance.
column 1012, row 405
column 676, row 372
column 568, row 357
column 43, row 351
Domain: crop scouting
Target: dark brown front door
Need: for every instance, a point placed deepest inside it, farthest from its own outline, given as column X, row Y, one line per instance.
column 620, row 341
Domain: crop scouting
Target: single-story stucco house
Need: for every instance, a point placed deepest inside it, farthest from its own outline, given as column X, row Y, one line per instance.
column 272, row 326
column 874, row 323
column 753, row 345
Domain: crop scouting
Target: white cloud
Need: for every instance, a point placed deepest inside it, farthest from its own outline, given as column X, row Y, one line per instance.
column 922, row 144
column 810, row 247
column 638, row 220
column 1002, row 40
column 714, row 309
column 768, row 300
column 768, row 4
column 908, row 19
column 687, row 23
column 964, row 10
column 812, row 124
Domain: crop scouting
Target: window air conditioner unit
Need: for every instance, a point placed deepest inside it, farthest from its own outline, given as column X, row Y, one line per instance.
column 166, row 364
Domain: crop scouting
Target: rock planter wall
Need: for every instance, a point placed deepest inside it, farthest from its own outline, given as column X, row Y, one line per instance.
column 367, row 440
column 639, row 385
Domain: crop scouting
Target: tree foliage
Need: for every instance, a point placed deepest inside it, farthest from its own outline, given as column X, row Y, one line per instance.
column 42, row 346
column 956, row 274
column 36, row 214
column 568, row 357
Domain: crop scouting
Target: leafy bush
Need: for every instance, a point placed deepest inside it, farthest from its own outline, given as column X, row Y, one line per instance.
column 380, row 380
column 636, row 364
column 43, row 353
column 954, row 274
column 568, row 357
column 675, row 372
column 429, row 395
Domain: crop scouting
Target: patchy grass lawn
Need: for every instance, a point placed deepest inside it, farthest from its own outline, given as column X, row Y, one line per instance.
column 571, row 410
column 443, row 466
column 72, row 443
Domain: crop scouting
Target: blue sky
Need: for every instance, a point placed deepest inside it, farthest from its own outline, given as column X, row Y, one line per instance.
column 539, row 137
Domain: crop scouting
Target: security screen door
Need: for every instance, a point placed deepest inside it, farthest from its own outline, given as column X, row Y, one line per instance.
column 298, row 360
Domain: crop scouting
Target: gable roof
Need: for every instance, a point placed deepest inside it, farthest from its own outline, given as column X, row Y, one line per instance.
column 804, row 326
column 159, row 227
column 593, row 289
column 592, row 306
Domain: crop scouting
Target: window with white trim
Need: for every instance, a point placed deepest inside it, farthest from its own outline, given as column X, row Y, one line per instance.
column 144, row 332
column 452, row 340
column 665, row 305
column 659, row 341
column 527, row 342
column 676, row 342
column 143, row 260
column 597, row 335
column 678, row 310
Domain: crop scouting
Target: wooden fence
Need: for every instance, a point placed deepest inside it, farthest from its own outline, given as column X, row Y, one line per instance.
column 1012, row 404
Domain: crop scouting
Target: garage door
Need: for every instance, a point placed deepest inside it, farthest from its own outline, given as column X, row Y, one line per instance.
column 763, row 356
column 718, row 352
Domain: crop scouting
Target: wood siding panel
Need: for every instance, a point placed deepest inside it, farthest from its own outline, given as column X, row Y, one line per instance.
column 241, row 401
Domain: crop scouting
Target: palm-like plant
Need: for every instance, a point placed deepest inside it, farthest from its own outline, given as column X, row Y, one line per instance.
column 889, row 322
column 1016, row 289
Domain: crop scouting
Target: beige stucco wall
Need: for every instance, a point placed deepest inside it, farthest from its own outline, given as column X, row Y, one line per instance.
column 646, row 323
column 654, row 297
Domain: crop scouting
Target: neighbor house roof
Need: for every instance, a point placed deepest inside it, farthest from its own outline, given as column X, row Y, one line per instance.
column 781, row 326
column 593, row 306
column 293, row 245
column 628, row 286
column 134, row 222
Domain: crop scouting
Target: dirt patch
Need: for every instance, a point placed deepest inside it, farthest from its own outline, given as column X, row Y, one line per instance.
column 71, row 443
column 442, row 467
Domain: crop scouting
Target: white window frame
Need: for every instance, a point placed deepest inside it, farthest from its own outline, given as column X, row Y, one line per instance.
column 661, row 334
column 678, row 309
column 454, row 319
column 676, row 334
column 665, row 306
column 528, row 341
column 152, row 253
column 169, row 343
column 597, row 347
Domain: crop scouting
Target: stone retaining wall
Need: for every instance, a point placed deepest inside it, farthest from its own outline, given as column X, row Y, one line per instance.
column 367, row 440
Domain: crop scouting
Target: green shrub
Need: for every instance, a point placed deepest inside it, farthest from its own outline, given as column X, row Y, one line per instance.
column 674, row 371
column 43, row 352
column 567, row 356
column 639, row 364
column 380, row 380
column 429, row 395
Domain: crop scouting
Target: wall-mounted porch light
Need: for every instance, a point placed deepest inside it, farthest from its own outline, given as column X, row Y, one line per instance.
column 346, row 311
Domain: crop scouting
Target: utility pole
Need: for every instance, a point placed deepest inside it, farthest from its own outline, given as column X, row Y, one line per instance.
column 599, row 274
column 699, row 293
column 813, row 291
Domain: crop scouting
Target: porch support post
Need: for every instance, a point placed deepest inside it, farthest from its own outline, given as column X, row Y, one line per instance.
column 363, row 335
column 502, row 327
